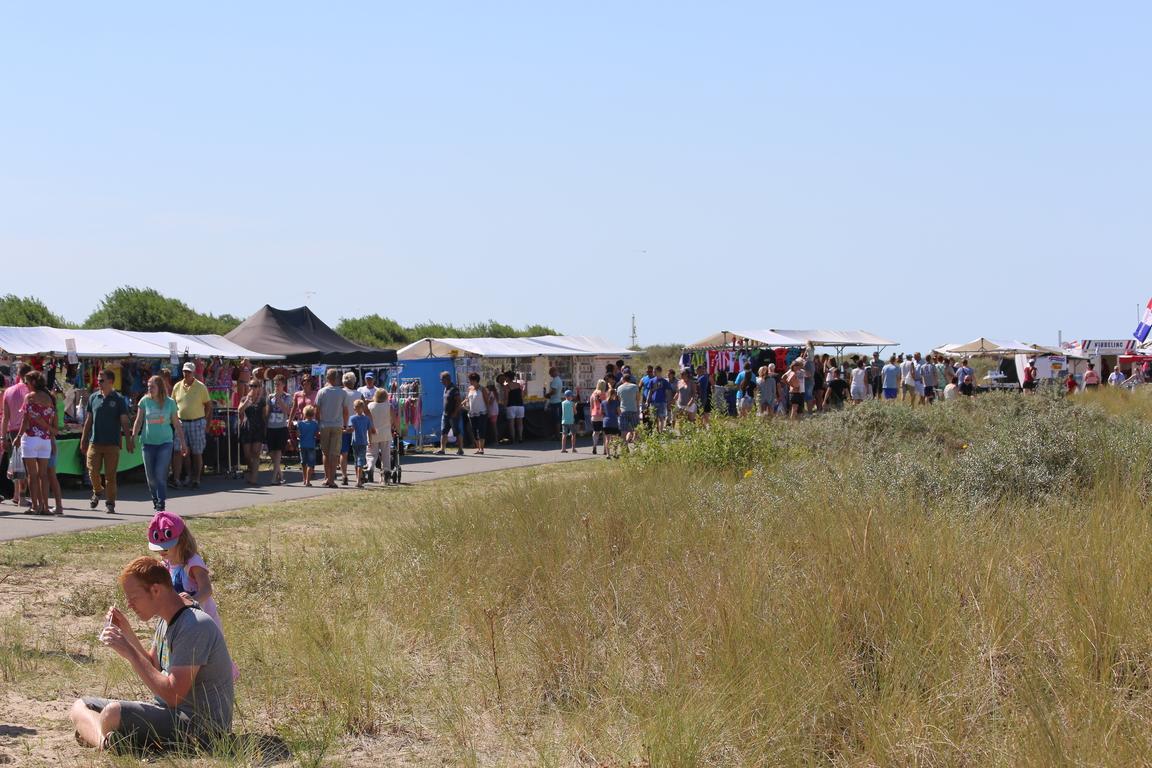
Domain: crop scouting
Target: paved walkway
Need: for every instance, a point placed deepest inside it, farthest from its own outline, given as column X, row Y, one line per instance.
column 219, row 494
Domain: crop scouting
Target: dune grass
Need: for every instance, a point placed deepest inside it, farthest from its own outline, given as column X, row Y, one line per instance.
column 963, row 585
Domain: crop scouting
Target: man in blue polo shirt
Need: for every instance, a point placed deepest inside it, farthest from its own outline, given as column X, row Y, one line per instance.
column 890, row 379
column 645, row 391
column 658, row 398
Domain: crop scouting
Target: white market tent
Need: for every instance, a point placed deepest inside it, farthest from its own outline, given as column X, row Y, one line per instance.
column 823, row 337
column 204, row 345
column 529, row 346
column 111, row 343
column 41, row 340
column 819, row 337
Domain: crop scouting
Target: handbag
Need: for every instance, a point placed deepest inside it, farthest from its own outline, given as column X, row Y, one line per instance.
column 16, row 463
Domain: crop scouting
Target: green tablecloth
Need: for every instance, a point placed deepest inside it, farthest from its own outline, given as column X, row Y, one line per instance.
column 70, row 462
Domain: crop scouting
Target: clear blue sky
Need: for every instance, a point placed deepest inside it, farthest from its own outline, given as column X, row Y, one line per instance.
column 928, row 171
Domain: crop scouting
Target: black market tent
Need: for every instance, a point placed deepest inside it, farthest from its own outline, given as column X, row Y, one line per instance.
column 301, row 338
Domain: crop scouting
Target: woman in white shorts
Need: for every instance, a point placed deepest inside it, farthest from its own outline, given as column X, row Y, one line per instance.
column 515, row 408
column 36, row 440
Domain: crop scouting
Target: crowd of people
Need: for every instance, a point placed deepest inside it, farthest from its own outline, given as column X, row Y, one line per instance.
column 353, row 425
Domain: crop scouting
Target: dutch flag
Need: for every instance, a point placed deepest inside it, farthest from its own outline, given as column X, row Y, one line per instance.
column 1141, row 332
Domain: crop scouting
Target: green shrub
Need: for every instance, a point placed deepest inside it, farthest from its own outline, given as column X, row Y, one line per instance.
column 730, row 444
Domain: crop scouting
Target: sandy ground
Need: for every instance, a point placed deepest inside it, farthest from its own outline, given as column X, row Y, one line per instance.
column 52, row 611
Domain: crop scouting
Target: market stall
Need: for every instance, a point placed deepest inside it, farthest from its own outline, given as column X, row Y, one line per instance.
column 730, row 350
column 72, row 358
column 579, row 360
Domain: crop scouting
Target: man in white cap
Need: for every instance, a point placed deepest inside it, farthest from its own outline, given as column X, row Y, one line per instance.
column 193, row 407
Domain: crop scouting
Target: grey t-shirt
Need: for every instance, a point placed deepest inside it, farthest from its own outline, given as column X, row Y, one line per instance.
column 195, row 640
column 330, row 402
column 629, row 397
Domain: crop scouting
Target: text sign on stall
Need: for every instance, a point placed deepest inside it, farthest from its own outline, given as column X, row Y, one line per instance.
column 318, row 371
column 70, row 346
column 173, row 353
column 1058, row 363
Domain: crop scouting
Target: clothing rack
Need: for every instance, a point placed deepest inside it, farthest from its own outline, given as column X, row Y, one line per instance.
column 409, row 413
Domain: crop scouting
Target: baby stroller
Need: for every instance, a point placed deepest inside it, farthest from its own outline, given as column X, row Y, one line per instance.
column 391, row 473
column 394, row 472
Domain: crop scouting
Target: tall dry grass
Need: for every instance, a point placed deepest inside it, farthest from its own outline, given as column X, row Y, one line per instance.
column 861, row 598
column 963, row 585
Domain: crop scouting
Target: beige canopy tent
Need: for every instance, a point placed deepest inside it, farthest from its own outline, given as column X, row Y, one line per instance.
column 985, row 347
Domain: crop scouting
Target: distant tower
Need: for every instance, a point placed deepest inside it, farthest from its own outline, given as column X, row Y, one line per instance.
column 634, row 332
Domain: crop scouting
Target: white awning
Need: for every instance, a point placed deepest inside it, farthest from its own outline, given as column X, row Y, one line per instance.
column 528, row 346
column 206, row 345
column 112, row 343
column 42, row 340
column 586, row 346
column 824, row 337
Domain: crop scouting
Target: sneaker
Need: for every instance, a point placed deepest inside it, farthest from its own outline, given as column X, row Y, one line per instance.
column 110, row 507
column 593, row 450
column 459, row 451
column 173, row 484
column 345, row 480
column 437, row 453
column 58, row 511
column 563, row 450
column 573, row 450
column 94, row 501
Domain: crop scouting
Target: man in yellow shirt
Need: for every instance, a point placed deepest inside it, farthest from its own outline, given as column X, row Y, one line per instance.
column 193, row 407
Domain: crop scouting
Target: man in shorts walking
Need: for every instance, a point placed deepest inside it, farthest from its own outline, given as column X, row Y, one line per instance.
column 193, row 407
column 794, row 379
column 555, row 395
column 928, row 379
column 629, row 394
column 332, row 414
column 890, row 379
column 450, row 420
column 875, row 366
